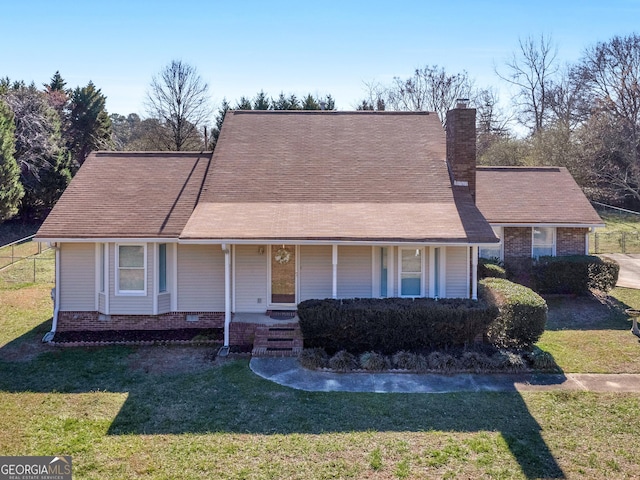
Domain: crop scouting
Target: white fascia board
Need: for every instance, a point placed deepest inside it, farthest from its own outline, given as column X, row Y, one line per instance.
column 293, row 241
column 107, row 240
column 556, row 225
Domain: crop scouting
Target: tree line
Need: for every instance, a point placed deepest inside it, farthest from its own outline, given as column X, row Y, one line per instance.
column 45, row 135
column 584, row 116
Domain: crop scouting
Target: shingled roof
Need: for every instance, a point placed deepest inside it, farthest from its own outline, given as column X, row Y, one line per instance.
column 366, row 176
column 532, row 195
column 129, row 194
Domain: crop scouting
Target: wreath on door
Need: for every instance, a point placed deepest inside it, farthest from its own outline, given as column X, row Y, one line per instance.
column 283, row 256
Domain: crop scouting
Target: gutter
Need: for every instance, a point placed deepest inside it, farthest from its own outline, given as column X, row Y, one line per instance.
column 55, row 296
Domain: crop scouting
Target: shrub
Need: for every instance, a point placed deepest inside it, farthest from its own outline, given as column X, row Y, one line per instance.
column 541, row 360
column 373, row 361
column 575, row 274
column 410, row 361
column 506, row 360
column 442, row 361
column 343, row 361
column 490, row 268
column 476, row 361
column 522, row 313
column 314, row 358
column 392, row 324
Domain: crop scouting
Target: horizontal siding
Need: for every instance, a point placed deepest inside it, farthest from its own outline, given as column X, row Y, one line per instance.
column 251, row 278
column 200, row 278
column 102, row 303
column 316, row 272
column 457, row 282
column 77, row 277
column 354, row 272
column 164, row 303
column 131, row 304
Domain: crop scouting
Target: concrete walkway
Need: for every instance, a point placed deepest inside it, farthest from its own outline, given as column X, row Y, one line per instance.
column 289, row 373
column 629, row 269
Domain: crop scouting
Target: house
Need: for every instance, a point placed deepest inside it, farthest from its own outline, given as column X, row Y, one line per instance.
column 291, row 206
column 534, row 211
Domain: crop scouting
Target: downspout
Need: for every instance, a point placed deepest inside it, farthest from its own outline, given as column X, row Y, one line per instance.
column 227, row 292
column 474, row 272
column 55, row 296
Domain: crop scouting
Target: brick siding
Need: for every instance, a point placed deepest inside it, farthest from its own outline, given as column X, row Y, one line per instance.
column 461, row 145
column 571, row 241
column 517, row 242
column 94, row 321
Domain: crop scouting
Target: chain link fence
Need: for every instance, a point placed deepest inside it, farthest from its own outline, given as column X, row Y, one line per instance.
column 622, row 234
column 26, row 261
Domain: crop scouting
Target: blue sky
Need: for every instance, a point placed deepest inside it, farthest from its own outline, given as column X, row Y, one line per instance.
column 322, row 47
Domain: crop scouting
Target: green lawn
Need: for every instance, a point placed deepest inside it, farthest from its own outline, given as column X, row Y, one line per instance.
column 131, row 413
column 586, row 335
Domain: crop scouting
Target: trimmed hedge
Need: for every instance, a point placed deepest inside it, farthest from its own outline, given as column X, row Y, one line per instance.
column 490, row 268
column 522, row 313
column 575, row 274
column 389, row 325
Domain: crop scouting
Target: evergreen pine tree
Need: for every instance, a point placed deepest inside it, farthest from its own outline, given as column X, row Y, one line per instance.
column 89, row 124
column 11, row 190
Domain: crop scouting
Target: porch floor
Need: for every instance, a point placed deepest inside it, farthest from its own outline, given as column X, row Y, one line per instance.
column 260, row 319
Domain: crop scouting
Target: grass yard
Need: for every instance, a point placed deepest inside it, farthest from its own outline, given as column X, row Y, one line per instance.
column 175, row 412
column 590, row 335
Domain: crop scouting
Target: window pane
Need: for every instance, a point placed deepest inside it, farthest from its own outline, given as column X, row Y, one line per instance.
column 383, row 272
column 102, row 266
column 412, row 261
column 543, row 236
column 162, row 266
column 131, row 256
column 410, row 284
column 131, row 279
column 490, row 252
column 542, row 252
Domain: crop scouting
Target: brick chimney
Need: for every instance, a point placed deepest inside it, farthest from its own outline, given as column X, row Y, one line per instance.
column 461, row 145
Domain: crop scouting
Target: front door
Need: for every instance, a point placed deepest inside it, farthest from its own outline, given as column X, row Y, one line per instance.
column 283, row 275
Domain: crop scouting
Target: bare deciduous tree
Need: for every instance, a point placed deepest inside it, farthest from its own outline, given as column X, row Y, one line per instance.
column 429, row 89
column 178, row 98
column 610, row 73
column 531, row 72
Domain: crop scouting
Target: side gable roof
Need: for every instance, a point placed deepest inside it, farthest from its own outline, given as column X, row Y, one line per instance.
column 296, row 175
column 129, row 194
column 533, row 195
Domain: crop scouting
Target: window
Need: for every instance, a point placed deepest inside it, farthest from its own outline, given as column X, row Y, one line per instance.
column 494, row 251
column 132, row 268
column 103, row 261
column 383, row 272
column 162, row 267
column 411, row 272
column 544, row 242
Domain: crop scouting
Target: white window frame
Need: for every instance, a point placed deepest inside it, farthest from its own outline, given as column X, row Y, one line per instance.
column 422, row 271
column 117, row 270
column 553, row 245
column 499, row 232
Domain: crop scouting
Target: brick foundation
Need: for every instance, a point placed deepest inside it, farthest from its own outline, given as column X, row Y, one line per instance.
column 94, row 321
column 242, row 333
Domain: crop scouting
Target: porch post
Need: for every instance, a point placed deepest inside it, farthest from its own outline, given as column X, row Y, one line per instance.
column 474, row 272
column 334, row 264
column 227, row 292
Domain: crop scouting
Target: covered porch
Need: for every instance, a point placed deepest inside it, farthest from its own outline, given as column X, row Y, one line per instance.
column 261, row 279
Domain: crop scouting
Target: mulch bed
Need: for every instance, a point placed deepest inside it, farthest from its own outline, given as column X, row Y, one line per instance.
column 108, row 336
